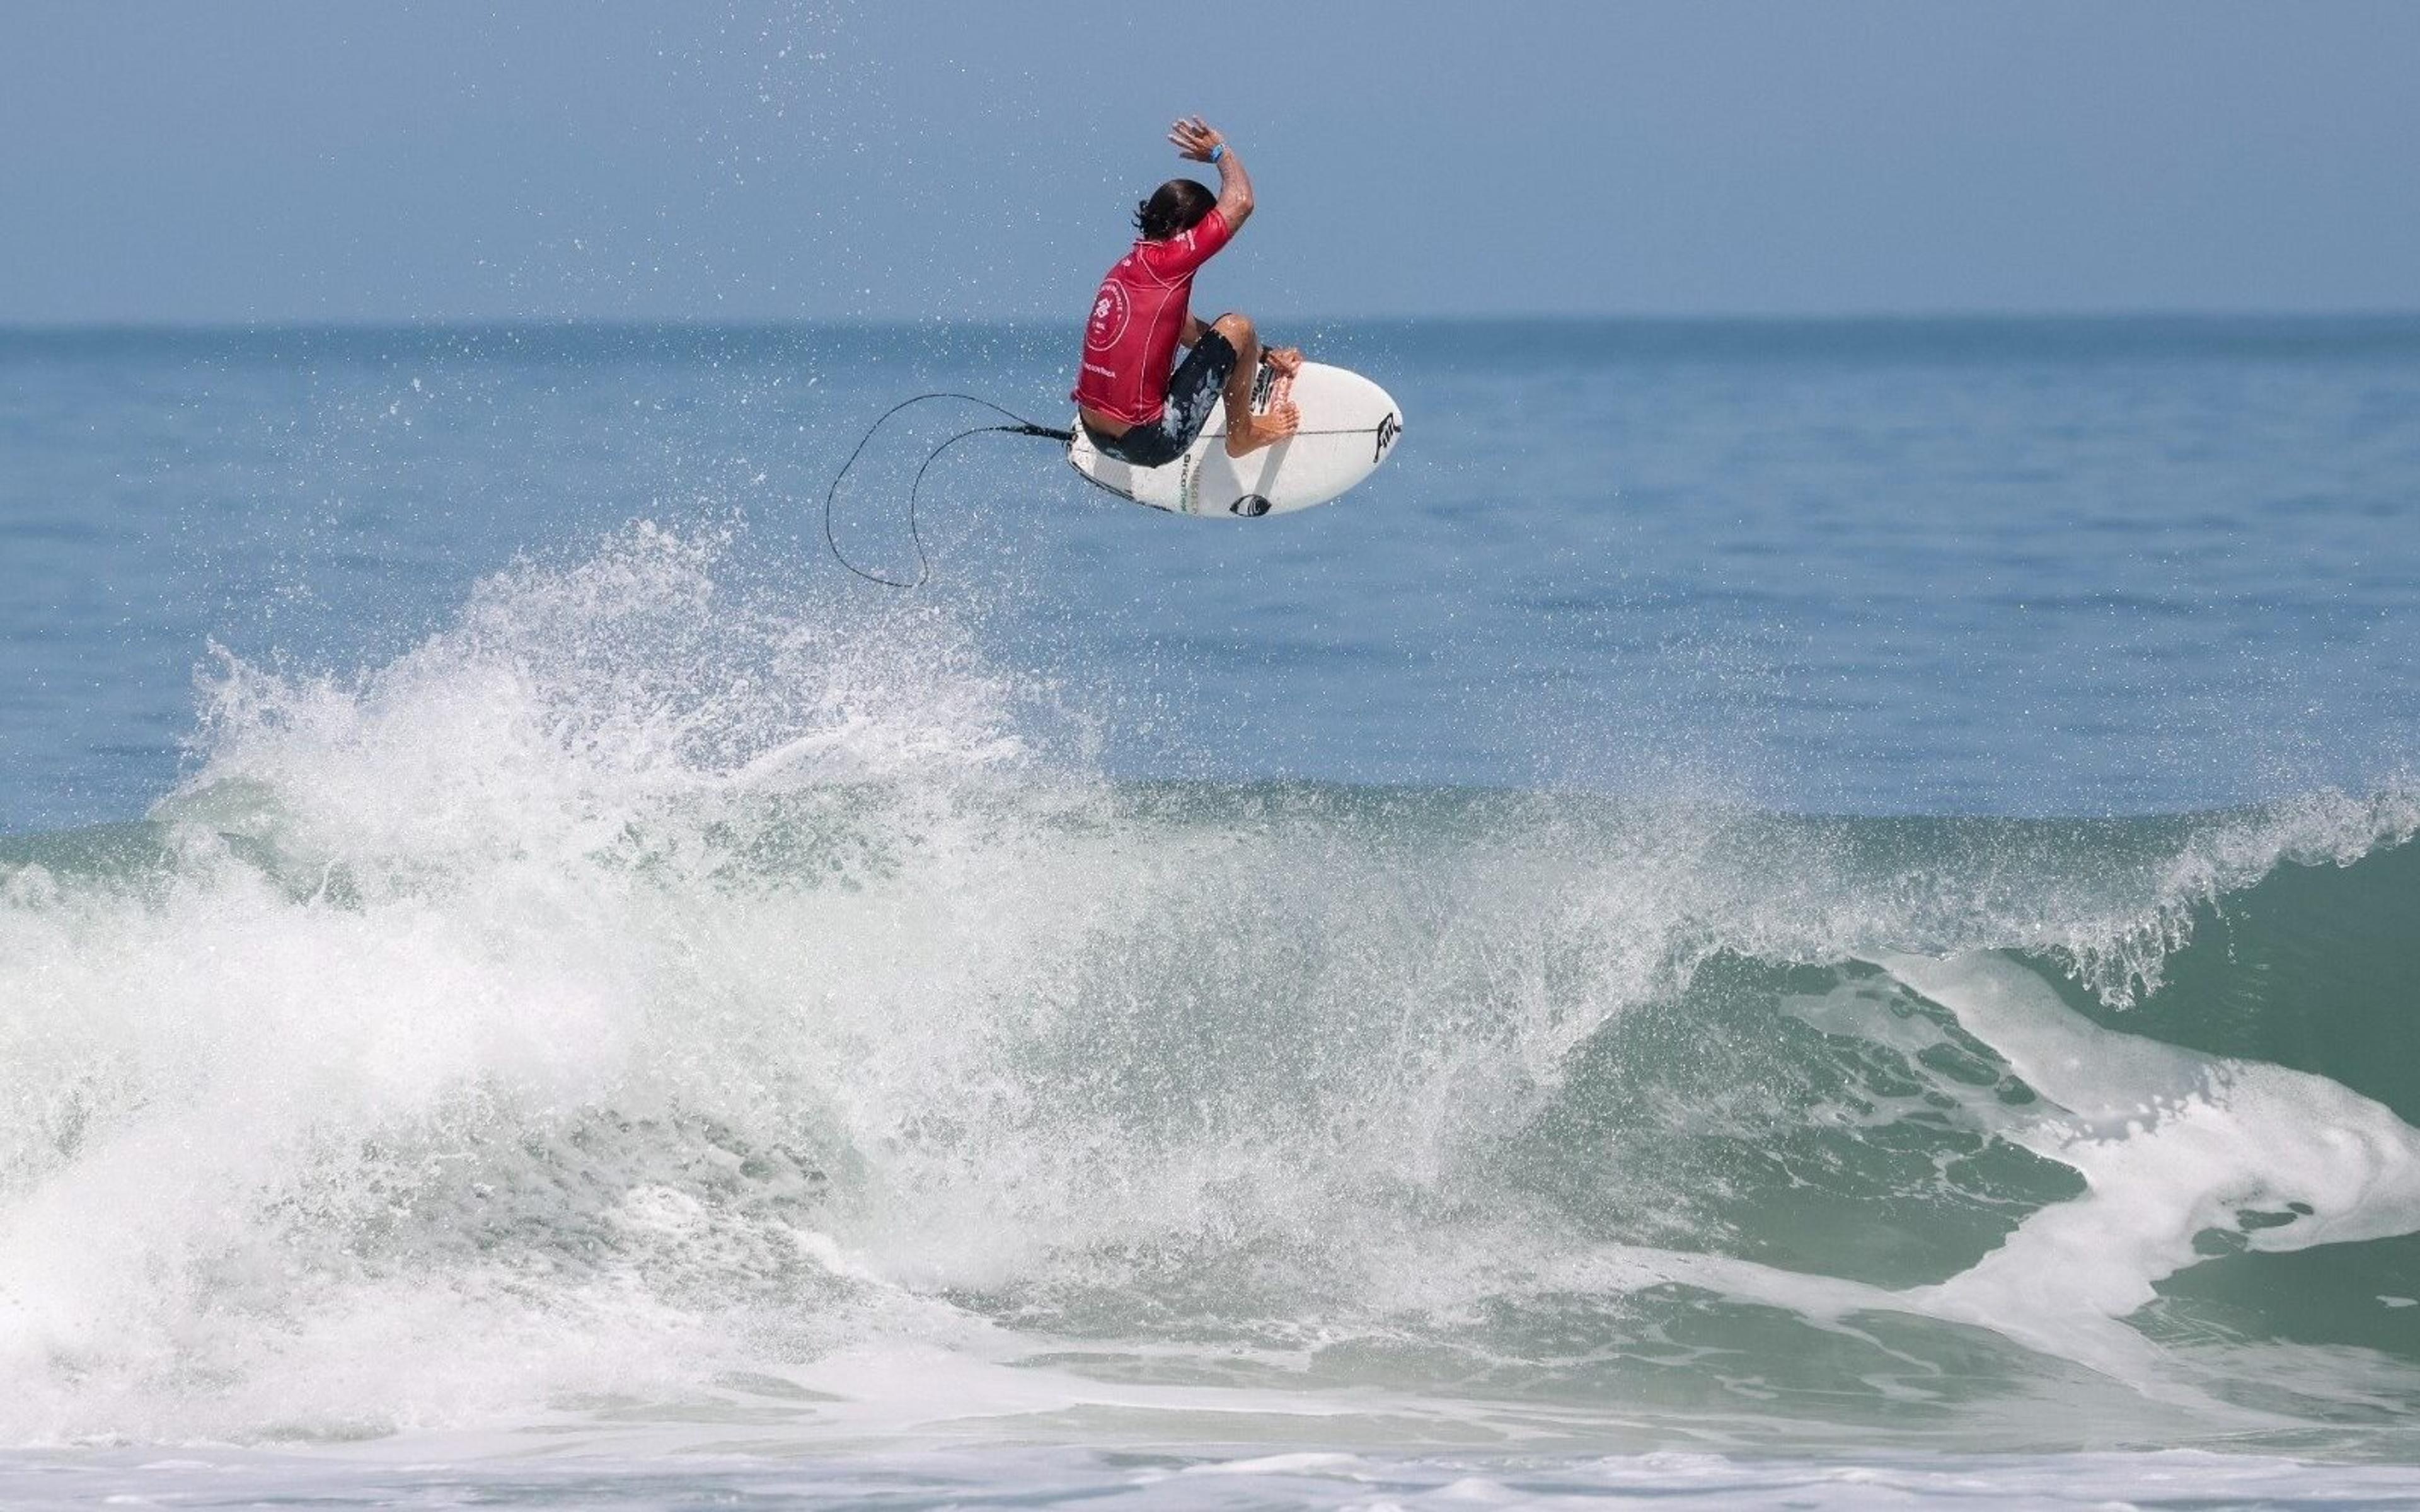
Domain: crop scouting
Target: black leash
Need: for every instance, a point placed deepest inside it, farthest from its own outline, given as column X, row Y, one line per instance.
column 1021, row 426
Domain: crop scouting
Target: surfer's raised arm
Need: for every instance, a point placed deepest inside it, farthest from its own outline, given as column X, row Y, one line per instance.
column 1129, row 403
column 1201, row 142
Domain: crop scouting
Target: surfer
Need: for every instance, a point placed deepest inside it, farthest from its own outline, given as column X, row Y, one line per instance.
column 1133, row 407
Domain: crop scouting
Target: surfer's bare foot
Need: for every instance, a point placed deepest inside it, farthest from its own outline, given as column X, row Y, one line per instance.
column 1281, row 421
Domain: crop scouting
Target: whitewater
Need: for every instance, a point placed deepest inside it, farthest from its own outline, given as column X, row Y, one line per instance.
column 649, row 1021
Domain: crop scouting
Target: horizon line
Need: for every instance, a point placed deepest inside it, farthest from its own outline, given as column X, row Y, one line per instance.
column 366, row 324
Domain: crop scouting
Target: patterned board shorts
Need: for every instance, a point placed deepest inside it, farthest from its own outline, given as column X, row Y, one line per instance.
column 1193, row 393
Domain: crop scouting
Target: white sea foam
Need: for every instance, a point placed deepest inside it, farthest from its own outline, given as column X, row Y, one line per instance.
column 2171, row 1145
column 1049, row 1477
column 642, row 985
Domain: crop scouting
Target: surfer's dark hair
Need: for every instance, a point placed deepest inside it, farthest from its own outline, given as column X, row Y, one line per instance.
column 1174, row 207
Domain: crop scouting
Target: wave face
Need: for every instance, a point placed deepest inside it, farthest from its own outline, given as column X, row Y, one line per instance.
column 647, row 1004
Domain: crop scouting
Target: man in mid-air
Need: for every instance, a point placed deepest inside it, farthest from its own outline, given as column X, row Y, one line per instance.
column 1133, row 407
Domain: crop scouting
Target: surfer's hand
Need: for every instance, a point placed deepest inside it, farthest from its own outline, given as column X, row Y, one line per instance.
column 1193, row 138
column 1286, row 359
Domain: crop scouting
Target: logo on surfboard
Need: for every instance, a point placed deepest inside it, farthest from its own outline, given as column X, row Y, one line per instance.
column 1388, row 429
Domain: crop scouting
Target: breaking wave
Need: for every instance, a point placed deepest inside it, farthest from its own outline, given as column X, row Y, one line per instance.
column 653, row 1002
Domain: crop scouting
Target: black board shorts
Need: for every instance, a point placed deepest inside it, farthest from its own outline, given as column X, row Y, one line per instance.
column 1193, row 393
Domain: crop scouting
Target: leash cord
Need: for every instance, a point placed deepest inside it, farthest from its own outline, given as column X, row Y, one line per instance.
column 1020, row 426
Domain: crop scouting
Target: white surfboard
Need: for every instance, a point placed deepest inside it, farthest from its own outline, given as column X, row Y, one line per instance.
column 1349, row 425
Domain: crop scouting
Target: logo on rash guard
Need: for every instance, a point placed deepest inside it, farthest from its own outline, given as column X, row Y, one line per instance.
column 1110, row 312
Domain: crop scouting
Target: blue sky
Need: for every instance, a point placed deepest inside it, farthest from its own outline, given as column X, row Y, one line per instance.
column 280, row 160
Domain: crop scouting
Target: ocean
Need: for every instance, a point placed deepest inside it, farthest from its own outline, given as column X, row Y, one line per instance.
column 1809, row 914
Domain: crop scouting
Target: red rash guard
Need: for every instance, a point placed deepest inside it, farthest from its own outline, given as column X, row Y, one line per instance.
column 1130, row 341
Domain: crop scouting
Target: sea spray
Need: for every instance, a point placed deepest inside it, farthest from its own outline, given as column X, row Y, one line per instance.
column 646, row 993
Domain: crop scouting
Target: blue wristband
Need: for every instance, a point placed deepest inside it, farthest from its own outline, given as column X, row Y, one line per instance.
column 1219, row 151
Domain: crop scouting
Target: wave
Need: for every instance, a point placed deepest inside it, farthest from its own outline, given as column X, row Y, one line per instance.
column 648, row 990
